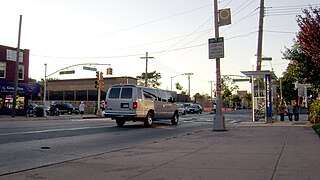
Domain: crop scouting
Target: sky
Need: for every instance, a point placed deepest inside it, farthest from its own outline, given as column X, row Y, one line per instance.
column 175, row 33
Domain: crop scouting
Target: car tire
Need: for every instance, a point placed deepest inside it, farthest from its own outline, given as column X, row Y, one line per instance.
column 120, row 122
column 148, row 120
column 175, row 119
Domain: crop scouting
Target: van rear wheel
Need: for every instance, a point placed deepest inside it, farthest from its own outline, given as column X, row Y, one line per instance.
column 120, row 122
column 175, row 119
column 149, row 120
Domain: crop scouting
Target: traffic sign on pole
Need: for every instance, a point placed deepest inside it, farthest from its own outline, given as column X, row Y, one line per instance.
column 216, row 48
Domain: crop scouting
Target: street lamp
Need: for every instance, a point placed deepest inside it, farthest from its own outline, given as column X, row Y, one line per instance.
column 174, row 77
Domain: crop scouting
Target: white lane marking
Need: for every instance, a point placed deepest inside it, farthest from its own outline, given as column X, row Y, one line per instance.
column 51, row 130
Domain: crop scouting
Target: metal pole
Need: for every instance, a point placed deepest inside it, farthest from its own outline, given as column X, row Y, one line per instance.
column 219, row 122
column 45, row 88
column 16, row 80
column 260, row 35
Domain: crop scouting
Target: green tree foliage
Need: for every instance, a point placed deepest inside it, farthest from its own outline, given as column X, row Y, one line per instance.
column 180, row 88
column 153, row 79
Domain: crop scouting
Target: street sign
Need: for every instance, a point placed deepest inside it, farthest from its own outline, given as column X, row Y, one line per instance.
column 266, row 59
column 89, row 68
column 224, row 17
column 67, row 72
column 216, row 48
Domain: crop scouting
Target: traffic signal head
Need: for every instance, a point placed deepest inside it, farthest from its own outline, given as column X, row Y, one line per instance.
column 101, row 76
column 97, row 75
column 96, row 84
column 109, row 71
column 101, row 84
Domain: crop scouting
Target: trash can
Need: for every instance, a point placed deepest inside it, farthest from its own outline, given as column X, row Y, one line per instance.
column 39, row 112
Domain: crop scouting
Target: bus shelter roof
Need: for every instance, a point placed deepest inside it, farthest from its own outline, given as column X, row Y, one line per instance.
column 259, row 73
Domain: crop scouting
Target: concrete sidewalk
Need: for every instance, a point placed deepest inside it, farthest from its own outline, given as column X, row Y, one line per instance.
column 263, row 151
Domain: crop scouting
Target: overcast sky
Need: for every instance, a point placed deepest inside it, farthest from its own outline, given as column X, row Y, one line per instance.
column 175, row 32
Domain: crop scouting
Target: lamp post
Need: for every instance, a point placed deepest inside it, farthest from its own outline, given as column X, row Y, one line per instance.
column 174, row 77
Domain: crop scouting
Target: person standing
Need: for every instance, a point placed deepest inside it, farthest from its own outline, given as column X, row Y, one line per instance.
column 290, row 111
column 81, row 108
column 282, row 110
column 296, row 111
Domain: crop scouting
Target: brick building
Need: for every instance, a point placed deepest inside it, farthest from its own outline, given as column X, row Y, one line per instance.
column 7, row 78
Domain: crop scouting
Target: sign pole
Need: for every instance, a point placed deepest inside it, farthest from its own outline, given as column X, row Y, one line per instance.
column 219, row 121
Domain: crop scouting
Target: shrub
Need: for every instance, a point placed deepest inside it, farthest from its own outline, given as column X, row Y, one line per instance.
column 314, row 112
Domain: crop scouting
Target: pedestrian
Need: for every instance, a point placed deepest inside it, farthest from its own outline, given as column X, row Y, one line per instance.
column 289, row 111
column 296, row 111
column 214, row 108
column 81, row 108
column 282, row 110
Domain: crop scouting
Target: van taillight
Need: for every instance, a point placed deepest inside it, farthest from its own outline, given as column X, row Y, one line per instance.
column 105, row 105
column 134, row 105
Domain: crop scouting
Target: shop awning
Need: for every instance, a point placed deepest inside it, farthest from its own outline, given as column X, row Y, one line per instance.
column 23, row 88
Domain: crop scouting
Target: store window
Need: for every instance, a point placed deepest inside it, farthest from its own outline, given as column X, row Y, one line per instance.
column 56, row 95
column 21, row 72
column 93, row 95
column 69, row 95
column 2, row 70
column 81, row 95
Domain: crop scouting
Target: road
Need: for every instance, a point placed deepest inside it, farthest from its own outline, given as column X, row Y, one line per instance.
column 31, row 144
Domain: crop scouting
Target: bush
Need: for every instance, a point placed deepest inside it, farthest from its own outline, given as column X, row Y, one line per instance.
column 316, row 128
column 314, row 112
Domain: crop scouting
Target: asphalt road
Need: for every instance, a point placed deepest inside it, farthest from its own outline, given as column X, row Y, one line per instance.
column 30, row 144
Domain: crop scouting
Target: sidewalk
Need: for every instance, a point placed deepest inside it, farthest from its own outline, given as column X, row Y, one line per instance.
column 264, row 151
column 60, row 117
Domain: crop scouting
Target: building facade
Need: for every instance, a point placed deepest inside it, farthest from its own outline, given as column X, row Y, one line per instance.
column 7, row 78
column 75, row 91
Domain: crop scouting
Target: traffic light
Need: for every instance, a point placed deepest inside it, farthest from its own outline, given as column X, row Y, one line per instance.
column 101, row 82
column 109, row 71
column 96, row 84
column 97, row 75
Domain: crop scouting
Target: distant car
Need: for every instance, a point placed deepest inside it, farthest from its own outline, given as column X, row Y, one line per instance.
column 182, row 109
column 194, row 108
column 187, row 105
column 66, row 108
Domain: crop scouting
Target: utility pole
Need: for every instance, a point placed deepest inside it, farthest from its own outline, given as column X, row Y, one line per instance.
column 188, row 74
column 146, row 75
column 16, row 80
column 219, row 122
column 260, row 36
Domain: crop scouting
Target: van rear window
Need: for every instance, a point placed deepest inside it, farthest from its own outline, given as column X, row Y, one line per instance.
column 114, row 93
column 126, row 93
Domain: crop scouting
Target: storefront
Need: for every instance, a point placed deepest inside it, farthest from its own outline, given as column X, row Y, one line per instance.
column 25, row 90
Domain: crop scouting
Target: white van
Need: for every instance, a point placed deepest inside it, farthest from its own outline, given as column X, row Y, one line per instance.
column 125, row 102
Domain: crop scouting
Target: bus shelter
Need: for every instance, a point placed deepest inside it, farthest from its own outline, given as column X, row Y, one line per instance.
column 263, row 91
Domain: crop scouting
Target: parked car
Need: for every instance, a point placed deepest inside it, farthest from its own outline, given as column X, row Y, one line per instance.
column 182, row 109
column 66, row 108
column 187, row 105
column 194, row 108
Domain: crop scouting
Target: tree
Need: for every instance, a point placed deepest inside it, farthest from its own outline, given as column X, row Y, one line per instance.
column 304, row 55
column 180, row 88
column 309, row 34
column 153, row 79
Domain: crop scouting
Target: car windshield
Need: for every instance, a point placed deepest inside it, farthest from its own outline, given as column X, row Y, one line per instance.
column 194, row 105
column 180, row 106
